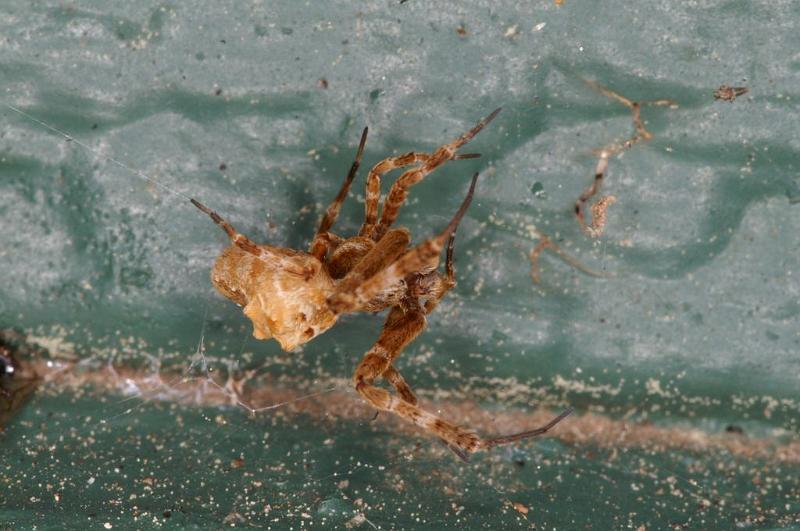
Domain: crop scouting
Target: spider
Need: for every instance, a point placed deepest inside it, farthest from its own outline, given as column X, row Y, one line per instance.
column 293, row 296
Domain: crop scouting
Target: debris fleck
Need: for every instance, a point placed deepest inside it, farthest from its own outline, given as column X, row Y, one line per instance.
column 595, row 227
column 520, row 508
column 726, row 93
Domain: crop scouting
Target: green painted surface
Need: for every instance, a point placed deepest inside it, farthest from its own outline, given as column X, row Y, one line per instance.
column 698, row 327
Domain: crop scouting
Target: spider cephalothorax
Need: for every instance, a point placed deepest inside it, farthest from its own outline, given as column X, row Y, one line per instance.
column 293, row 296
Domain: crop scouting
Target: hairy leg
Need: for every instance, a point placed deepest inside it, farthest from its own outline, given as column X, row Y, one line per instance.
column 280, row 258
column 402, row 327
column 421, row 257
column 324, row 243
column 347, row 255
column 238, row 239
column 393, row 376
column 374, row 186
column 399, row 191
column 319, row 247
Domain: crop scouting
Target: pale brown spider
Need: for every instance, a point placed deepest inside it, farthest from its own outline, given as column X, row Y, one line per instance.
column 293, row 296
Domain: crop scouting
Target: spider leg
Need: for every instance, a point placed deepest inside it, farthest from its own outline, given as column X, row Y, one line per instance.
column 448, row 281
column 264, row 252
column 238, row 239
column 423, row 256
column 399, row 191
column 374, row 183
column 506, row 439
column 347, row 255
column 374, row 186
column 384, row 252
column 318, row 246
column 456, row 450
column 324, row 243
column 393, row 376
column 402, row 327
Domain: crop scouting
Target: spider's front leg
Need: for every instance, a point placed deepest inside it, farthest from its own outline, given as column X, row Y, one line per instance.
column 399, row 191
column 374, row 186
column 393, row 376
column 369, row 227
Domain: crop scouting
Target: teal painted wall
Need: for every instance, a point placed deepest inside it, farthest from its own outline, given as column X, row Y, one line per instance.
column 696, row 327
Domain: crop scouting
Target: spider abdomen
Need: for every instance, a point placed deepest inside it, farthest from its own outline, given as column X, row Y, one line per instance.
column 283, row 292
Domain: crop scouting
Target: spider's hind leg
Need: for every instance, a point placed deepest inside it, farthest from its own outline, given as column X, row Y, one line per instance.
column 507, row 439
column 373, row 191
column 393, row 376
column 402, row 327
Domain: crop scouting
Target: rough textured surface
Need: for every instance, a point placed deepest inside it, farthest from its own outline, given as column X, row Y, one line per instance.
column 105, row 261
